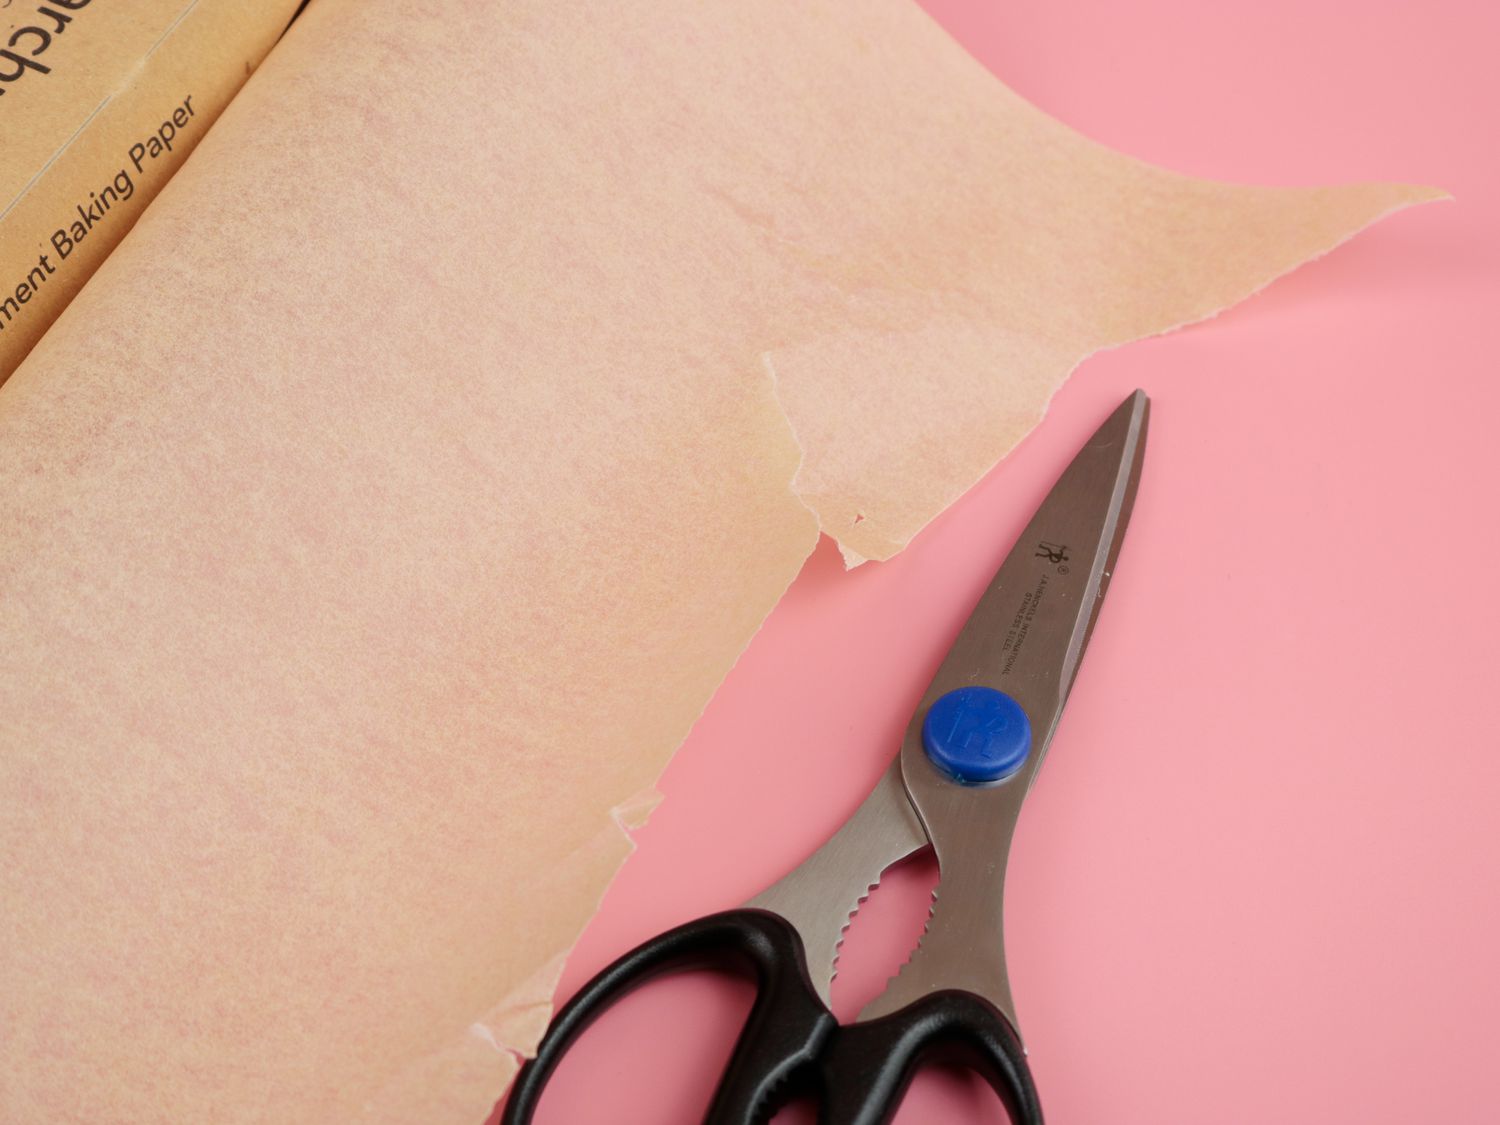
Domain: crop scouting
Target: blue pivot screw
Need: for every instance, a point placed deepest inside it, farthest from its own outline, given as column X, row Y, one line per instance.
column 976, row 735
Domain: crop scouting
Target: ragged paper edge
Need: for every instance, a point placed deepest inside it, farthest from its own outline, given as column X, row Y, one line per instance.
column 516, row 1023
column 479, row 1067
column 853, row 557
column 468, row 1071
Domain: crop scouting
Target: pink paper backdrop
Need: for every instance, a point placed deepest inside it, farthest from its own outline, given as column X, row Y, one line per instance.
column 1257, row 880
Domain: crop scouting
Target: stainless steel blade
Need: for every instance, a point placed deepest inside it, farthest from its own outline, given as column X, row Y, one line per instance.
column 1025, row 638
column 822, row 893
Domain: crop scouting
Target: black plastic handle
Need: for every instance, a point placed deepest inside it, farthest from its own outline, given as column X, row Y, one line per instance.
column 860, row 1072
column 781, row 1041
column 866, row 1067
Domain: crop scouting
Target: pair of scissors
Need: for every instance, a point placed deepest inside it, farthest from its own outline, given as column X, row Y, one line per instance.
column 969, row 757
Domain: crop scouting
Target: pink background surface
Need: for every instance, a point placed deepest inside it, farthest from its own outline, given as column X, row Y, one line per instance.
column 1257, row 880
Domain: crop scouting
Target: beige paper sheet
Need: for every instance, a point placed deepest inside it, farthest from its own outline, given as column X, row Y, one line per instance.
column 379, row 519
column 100, row 103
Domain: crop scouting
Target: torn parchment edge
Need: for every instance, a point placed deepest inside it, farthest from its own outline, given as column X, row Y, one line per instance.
column 505, row 1034
column 516, row 1024
column 846, row 537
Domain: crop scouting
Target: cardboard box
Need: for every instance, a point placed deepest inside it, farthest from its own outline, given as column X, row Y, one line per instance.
column 100, row 103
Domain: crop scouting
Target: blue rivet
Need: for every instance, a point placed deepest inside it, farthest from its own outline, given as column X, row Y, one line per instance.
column 977, row 735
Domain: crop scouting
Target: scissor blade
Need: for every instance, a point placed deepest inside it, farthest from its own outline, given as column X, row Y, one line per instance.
column 1028, row 633
column 821, row 894
column 1025, row 638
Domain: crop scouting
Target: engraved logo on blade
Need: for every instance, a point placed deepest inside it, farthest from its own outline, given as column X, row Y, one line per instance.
column 1052, row 552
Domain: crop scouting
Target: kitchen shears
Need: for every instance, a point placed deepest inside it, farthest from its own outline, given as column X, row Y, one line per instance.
column 970, row 754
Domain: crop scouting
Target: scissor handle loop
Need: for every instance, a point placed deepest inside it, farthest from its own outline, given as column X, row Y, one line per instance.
column 860, row 1072
column 866, row 1067
column 787, row 1027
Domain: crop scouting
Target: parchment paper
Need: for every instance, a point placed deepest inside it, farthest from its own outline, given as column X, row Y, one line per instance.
column 380, row 517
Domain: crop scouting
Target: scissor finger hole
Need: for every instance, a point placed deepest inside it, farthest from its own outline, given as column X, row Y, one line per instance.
column 943, row 1092
column 654, row 1056
column 938, row 1092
